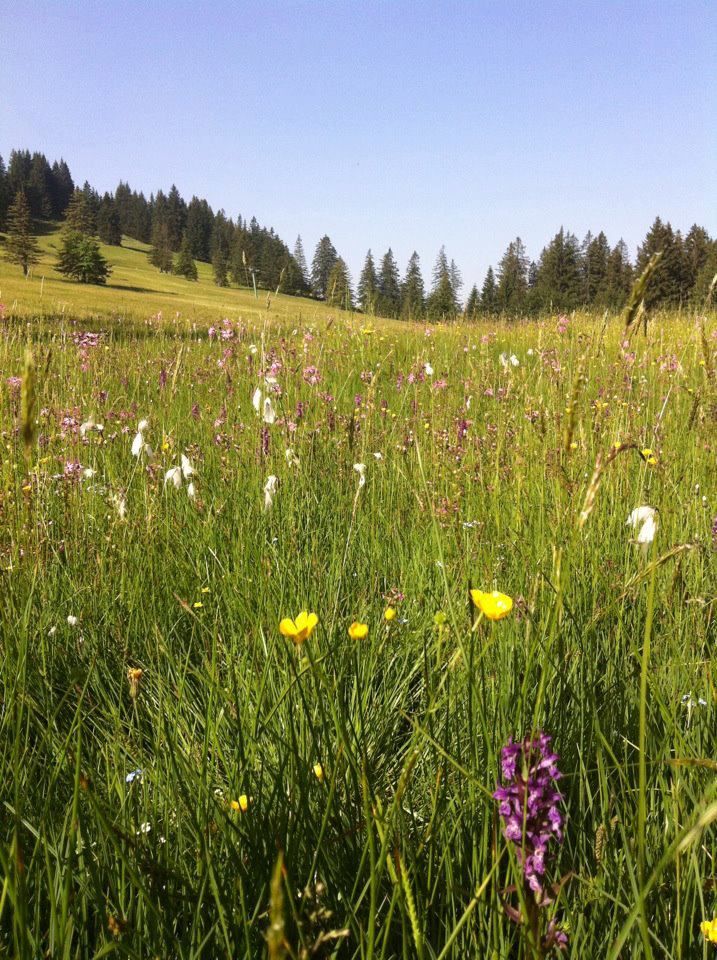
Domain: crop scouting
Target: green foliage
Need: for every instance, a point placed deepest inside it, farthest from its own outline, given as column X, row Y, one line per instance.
column 20, row 244
column 472, row 304
column 489, row 293
column 338, row 287
column 80, row 258
column 512, row 287
column 558, row 280
column 109, row 229
column 184, row 265
column 367, row 289
column 160, row 256
column 413, row 294
column 389, row 287
column 325, row 258
column 442, row 303
column 79, row 217
column 668, row 284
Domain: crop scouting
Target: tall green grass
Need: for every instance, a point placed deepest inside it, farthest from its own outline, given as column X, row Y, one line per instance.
column 396, row 849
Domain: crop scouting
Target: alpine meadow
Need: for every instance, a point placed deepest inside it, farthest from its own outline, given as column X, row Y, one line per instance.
column 356, row 603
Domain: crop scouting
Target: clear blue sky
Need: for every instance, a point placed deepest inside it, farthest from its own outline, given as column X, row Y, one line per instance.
column 410, row 124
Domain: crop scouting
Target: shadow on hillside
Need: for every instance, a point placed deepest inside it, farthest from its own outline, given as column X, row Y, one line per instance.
column 157, row 293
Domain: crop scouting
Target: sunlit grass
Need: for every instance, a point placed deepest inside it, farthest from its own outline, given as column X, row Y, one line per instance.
column 145, row 812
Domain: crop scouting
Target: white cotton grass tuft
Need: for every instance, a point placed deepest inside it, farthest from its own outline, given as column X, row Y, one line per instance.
column 507, row 361
column 270, row 491
column 428, row 369
column 177, row 475
column 291, row 458
column 263, row 405
column 140, row 447
column 360, row 469
column 644, row 520
column 89, row 425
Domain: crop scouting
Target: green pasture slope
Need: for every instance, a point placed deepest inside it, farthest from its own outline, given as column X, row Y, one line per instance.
column 179, row 779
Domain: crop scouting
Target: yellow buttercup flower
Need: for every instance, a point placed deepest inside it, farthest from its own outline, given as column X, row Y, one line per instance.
column 358, row 631
column 648, row 456
column 318, row 772
column 300, row 629
column 709, row 930
column 493, row 605
column 389, row 614
column 241, row 804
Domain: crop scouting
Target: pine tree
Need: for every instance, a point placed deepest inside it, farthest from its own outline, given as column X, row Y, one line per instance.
column 456, row 280
column 222, row 241
column 413, row 293
column 20, row 244
column 80, row 258
column 78, row 216
column 367, row 290
column 558, row 280
column 302, row 284
column 472, row 304
column 108, row 222
column 39, row 187
column 442, row 302
column 160, row 256
column 389, row 287
column 325, row 258
column 18, row 171
column 184, row 265
column 338, row 287
column 489, row 293
column 512, row 288
column 92, row 205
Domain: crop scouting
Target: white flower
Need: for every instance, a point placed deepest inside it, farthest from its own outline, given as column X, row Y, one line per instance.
column 360, row 469
column 530, row 351
column 142, row 426
column 508, row 361
column 378, row 455
column 429, row 369
column 72, row 621
column 291, row 458
column 88, row 473
column 647, row 533
column 174, row 474
column 269, row 491
column 253, row 349
column 469, row 401
column 191, row 491
column 256, row 400
column 640, row 515
column 52, row 631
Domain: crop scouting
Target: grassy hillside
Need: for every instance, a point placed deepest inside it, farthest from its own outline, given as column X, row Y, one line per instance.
column 136, row 288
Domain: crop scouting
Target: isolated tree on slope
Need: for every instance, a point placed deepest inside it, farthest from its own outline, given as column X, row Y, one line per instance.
column 325, row 258
column 413, row 292
column 80, row 258
column 367, row 290
column 184, row 265
column 160, row 256
column 20, row 245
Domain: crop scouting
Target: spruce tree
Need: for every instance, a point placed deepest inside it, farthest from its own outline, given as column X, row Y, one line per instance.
column 367, row 289
column 92, row 205
column 325, row 258
column 80, row 258
column 20, row 244
column 413, row 293
column 512, row 288
column 62, row 187
column 442, row 302
column 697, row 247
column 596, row 253
column 668, row 285
column 473, row 304
column 160, row 256
column 200, row 223
column 456, row 280
column 338, row 287
column 389, row 287
column 558, row 281
column 618, row 278
column 302, row 282
column 705, row 279
column 176, row 218
column 184, row 265
column 4, row 196
column 78, row 215
column 489, row 293
column 39, row 187
column 108, row 222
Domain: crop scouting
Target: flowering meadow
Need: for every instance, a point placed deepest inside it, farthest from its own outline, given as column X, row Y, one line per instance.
column 333, row 637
